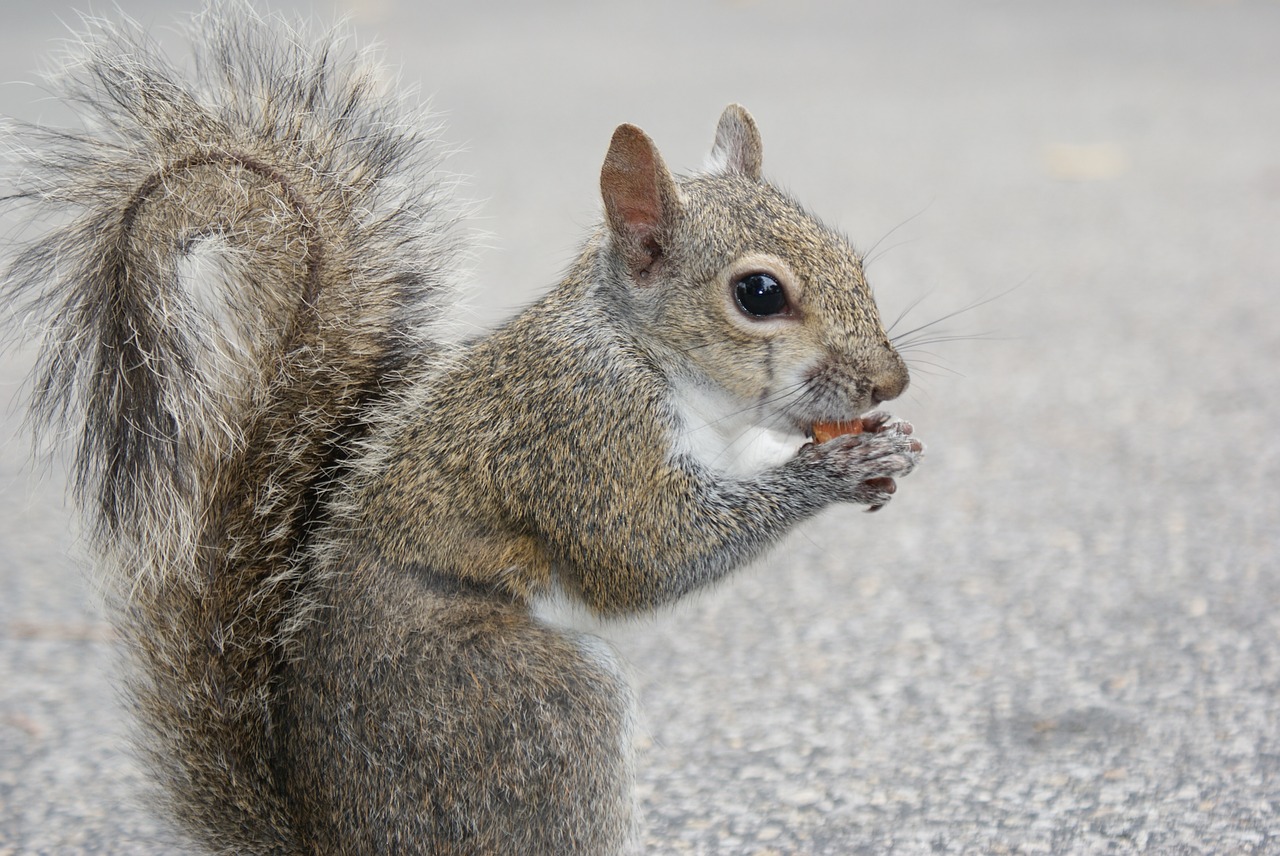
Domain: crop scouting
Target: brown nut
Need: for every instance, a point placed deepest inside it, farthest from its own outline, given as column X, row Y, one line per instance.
column 824, row 431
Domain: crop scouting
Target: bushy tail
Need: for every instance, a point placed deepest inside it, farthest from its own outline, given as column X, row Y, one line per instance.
column 245, row 259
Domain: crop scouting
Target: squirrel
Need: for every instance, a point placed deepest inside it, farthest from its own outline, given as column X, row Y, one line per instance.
column 328, row 527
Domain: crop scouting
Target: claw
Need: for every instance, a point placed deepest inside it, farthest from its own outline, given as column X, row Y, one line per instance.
column 883, row 485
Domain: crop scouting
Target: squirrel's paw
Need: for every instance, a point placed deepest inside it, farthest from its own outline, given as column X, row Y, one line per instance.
column 864, row 466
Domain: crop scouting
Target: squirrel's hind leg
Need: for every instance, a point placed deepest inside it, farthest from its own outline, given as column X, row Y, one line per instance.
column 414, row 719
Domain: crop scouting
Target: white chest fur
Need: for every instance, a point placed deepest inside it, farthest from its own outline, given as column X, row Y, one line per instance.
column 724, row 434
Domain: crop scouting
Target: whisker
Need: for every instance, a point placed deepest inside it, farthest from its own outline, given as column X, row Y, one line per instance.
column 886, row 235
column 957, row 337
column 870, row 260
column 797, row 391
column 779, row 397
column 972, row 306
column 690, row 350
column 904, row 313
column 939, row 368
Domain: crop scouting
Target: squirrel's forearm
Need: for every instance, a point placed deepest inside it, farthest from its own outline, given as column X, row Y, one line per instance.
column 635, row 552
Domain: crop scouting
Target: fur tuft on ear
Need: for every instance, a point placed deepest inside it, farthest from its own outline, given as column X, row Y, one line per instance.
column 737, row 149
column 641, row 200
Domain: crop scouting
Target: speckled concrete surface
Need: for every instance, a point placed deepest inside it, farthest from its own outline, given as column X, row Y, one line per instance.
column 1062, row 635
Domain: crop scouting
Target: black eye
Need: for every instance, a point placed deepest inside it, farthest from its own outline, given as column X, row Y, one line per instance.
column 760, row 295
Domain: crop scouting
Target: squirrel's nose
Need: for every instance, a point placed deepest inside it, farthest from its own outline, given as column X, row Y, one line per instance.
column 889, row 379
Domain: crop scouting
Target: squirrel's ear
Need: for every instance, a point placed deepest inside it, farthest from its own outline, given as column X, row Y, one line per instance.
column 641, row 200
column 737, row 149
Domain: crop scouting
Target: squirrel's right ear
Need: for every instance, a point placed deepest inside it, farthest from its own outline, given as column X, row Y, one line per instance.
column 737, row 149
column 641, row 201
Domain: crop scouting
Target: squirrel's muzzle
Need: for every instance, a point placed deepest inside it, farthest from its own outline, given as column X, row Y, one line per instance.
column 889, row 378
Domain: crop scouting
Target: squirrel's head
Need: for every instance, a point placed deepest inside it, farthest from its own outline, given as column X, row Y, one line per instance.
column 746, row 289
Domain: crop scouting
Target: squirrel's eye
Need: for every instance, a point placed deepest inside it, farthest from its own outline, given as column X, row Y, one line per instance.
column 760, row 295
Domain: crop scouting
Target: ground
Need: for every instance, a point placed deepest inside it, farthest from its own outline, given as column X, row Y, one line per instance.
column 1061, row 636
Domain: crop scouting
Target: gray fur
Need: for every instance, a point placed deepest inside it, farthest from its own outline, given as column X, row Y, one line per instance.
column 323, row 528
column 204, row 456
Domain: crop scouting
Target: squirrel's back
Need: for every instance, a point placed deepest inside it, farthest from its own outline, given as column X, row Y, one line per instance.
column 248, row 257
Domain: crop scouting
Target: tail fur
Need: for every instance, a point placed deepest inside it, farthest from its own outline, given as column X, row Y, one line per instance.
column 246, row 259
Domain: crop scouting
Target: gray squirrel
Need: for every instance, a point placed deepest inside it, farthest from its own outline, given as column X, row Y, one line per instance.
column 327, row 527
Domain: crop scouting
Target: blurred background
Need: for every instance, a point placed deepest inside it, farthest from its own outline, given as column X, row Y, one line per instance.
column 1062, row 634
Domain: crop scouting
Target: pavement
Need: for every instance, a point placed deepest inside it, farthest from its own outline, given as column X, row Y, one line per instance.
column 1062, row 636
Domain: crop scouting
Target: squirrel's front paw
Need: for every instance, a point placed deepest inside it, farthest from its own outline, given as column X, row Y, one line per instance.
column 863, row 466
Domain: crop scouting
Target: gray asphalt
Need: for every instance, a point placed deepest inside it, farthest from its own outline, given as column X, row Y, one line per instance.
column 1062, row 634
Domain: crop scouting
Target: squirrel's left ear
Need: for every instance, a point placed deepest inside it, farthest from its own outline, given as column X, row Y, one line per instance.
column 737, row 149
column 641, row 201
